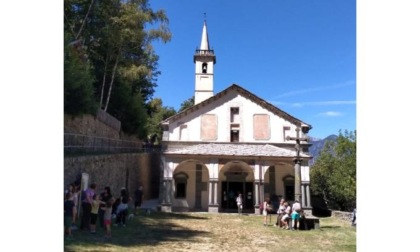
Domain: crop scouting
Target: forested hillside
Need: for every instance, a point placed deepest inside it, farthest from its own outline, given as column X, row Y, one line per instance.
column 110, row 63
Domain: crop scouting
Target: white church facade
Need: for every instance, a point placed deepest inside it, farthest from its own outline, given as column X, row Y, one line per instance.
column 228, row 143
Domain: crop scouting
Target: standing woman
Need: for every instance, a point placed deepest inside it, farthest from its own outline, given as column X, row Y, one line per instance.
column 280, row 212
column 106, row 196
column 138, row 198
column 239, row 203
column 122, row 208
column 87, row 200
column 286, row 216
column 265, row 210
column 76, row 195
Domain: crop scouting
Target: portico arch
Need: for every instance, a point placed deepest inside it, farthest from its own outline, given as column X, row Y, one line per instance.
column 190, row 186
column 274, row 183
column 236, row 177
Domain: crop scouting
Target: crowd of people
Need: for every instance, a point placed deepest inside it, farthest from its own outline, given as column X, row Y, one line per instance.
column 285, row 212
column 97, row 207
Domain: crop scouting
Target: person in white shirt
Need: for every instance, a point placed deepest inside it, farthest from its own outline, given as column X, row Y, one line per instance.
column 280, row 213
column 239, row 203
column 286, row 216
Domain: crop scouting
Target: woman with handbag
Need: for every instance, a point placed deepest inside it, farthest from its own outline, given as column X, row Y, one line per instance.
column 266, row 209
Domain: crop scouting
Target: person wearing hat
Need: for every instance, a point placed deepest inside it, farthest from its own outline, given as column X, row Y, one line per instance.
column 296, row 209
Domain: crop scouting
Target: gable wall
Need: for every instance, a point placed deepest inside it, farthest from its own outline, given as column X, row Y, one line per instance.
column 221, row 108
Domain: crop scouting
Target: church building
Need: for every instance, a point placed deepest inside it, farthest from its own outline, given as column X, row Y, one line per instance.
column 228, row 143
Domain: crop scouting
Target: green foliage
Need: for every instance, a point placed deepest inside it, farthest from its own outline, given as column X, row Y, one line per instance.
column 334, row 173
column 117, row 37
column 187, row 104
column 157, row 113
column 130, row 110
column 78, row 81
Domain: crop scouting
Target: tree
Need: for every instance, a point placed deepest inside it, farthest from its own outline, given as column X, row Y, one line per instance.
column 118, row 37
column 122, row 46
column 78, row 81
column 157, row 113
column 333, row 176
column 187, row 104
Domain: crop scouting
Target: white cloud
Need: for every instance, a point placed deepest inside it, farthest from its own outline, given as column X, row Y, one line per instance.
column 330, row 114
column 315, row 89
column 316, row 103
column 321, row 103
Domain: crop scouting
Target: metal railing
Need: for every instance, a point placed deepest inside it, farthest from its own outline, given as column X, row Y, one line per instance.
column 84, row 144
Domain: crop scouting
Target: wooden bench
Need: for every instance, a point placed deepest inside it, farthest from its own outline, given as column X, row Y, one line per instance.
column 307, row 223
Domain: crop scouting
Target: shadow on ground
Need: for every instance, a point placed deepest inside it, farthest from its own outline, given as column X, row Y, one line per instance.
column 330, row 227
column 141, row 230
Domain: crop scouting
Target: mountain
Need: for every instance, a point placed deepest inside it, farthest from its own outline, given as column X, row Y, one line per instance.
column 317, row 145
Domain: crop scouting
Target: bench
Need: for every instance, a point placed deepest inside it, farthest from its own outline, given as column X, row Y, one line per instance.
column 306, row 223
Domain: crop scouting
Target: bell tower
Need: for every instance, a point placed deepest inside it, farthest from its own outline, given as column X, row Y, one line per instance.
column 204, row 60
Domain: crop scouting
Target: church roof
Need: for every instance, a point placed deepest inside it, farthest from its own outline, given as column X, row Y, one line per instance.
column 240, row 150
column 245, row 93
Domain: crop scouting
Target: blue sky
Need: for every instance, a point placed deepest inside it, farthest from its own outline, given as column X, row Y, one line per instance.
column 297, row 55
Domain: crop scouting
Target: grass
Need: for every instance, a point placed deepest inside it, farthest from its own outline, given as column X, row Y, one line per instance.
column 214, row 232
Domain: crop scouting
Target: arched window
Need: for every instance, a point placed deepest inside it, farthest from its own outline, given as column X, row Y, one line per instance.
column 204, row 67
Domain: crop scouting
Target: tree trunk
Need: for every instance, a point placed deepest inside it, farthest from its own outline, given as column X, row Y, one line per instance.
column 114, row 70
column 84, row 20
column 103, row 82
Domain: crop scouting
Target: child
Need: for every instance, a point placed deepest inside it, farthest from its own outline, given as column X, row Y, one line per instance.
column 108, row 218
column 94, row 213
column 69, row 214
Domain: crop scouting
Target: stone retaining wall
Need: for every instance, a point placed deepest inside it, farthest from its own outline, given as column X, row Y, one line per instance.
column 116, row 171
column 342, row 215
column 89, row 125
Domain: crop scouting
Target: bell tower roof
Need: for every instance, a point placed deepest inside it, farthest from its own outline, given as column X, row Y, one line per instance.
column 205, row 45
column 204, row 50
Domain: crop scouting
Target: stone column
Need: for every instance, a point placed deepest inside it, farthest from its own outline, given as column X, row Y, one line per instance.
column 257, row 193
column 210, row 193
column 213, row 205
column 257, row 197
column 298, row 192
column 308, row 196
column 170, row 191
column 303, row 203
column 215, row 185
column 164, row 191
column 166, row 205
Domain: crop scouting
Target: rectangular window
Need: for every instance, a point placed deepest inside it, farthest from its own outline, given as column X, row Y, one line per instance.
column 234, row 115
column 286, row 132
column 183, row 132
column 234, row 136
